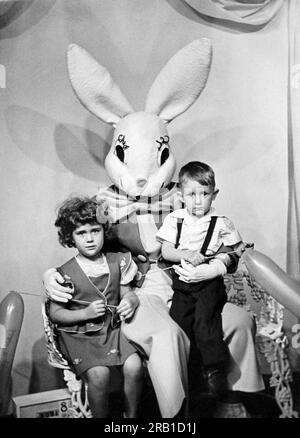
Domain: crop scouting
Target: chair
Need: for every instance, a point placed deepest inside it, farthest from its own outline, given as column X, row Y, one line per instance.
column 271, row 341
column 77, row 388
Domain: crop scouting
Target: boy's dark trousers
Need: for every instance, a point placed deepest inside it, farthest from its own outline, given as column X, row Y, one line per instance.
column 197, row 307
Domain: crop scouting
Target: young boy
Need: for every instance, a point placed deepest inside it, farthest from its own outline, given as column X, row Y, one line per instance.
column 89, row 332
column 198, row 236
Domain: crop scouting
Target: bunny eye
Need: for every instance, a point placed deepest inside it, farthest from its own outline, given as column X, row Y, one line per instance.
column 121, row 147
column 163, row 149
column 163, row 155
column 120, row 153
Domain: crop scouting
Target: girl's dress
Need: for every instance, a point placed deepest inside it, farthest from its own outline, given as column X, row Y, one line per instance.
column 96, row 342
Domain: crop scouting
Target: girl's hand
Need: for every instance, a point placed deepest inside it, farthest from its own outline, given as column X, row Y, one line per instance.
column 128, row 305
column 95, row 309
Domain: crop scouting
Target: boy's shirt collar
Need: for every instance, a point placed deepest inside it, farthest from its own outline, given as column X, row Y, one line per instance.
column 189, row 219
column 183, row 214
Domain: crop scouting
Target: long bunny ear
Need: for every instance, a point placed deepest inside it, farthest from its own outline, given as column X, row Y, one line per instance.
column 95, row 87
column 181, row 81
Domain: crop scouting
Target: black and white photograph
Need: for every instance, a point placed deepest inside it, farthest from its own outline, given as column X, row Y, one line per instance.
column 150, row 212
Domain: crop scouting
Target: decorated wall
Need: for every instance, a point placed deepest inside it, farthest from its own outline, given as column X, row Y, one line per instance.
column 51, row 146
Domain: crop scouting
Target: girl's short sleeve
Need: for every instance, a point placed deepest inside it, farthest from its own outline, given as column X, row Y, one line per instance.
column 128, row 268
column 168, row 230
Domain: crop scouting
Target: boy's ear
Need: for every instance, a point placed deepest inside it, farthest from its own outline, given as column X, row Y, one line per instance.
column 216, row 191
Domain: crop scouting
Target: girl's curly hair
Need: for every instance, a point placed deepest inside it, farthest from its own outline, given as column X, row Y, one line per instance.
column 74, row 212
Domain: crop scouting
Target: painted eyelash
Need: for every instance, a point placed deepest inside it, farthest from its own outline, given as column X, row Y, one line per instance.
column 121, row 139
column 162, row 141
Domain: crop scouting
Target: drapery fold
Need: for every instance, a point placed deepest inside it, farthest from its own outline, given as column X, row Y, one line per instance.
column 10, row 10
column 251, row 12
column 257, row 13
column 293, row 118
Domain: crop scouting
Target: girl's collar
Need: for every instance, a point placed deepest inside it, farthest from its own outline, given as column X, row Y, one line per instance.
column 86, row 261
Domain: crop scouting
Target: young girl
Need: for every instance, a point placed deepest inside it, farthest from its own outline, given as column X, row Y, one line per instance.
column 88, row 326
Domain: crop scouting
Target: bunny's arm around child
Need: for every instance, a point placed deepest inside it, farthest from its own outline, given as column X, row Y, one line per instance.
column 129, row 300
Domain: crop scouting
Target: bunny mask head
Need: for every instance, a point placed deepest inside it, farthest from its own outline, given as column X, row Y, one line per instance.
column 140, row 161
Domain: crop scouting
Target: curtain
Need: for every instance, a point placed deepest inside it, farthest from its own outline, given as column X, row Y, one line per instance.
column 251, row 12
column 258, row 13
column 293, row 237
column 10, row 10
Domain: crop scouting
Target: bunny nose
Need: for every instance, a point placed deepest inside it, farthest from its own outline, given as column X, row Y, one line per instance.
column 140, row 182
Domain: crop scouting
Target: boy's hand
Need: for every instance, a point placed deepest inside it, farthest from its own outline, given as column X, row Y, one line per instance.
column 95, row 309
column 194, row 257
column 206, row 271
column 128, row 305
column 240, row 249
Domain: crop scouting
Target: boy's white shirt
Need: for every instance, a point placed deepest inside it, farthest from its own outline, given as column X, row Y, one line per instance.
column 194, row 230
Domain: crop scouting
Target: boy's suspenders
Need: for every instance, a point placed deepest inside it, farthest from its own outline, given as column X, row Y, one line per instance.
column 208, row 236
column 179, row 227
column 209, row 233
